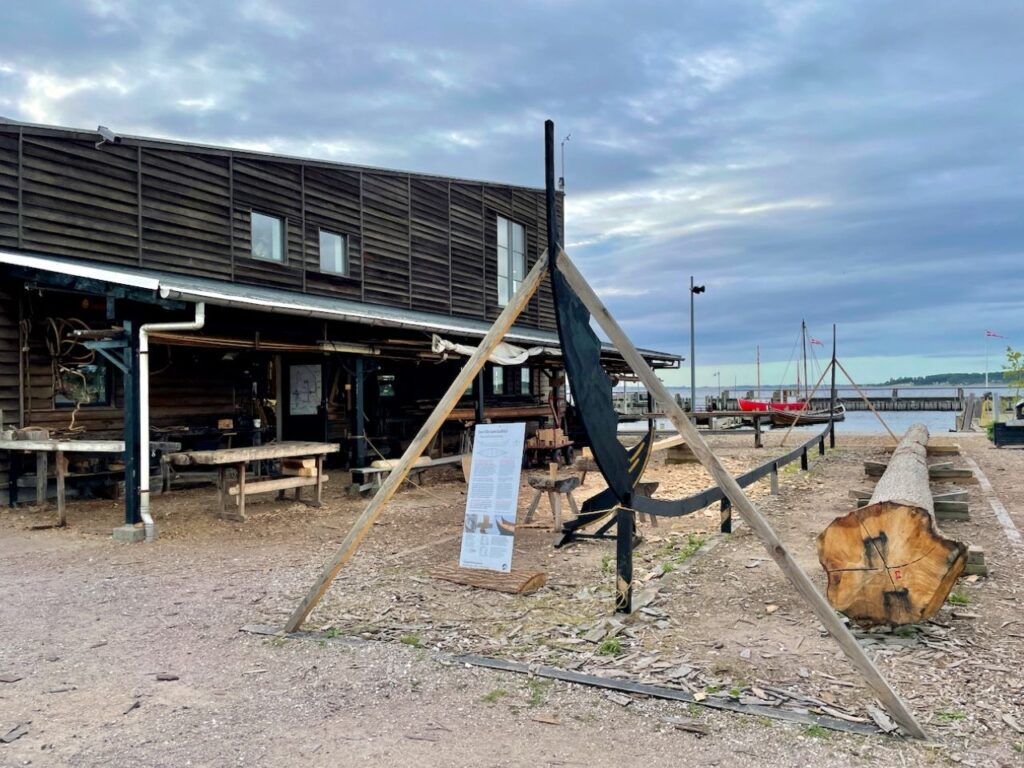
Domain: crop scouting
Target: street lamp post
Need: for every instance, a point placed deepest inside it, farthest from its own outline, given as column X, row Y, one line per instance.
column 694, row 290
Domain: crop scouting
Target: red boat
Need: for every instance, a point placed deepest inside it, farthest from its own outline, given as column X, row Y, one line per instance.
column 761, row 405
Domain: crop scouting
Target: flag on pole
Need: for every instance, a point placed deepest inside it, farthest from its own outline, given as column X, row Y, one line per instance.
column 993, row 334
column 819, row 342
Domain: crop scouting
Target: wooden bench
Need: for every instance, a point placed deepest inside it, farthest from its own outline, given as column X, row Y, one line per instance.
column 234, row 495
column 372, row 478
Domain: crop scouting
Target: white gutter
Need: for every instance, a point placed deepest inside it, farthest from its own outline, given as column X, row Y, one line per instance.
column 365, row 317
column 144, row 332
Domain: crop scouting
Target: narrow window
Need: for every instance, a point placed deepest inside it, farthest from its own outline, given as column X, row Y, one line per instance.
column 511, row 258
column 267, row 237
column 497, row 380
column 525, row 384
column 333, row 253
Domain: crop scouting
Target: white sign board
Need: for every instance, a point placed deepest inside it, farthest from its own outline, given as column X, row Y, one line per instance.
column 489, row 529
column 306, row 390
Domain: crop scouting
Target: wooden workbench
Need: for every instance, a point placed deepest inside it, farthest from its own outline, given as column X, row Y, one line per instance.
column 42, row 449
column 226, row 458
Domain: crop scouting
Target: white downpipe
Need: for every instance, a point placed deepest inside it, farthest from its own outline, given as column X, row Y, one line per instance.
column 144, row 331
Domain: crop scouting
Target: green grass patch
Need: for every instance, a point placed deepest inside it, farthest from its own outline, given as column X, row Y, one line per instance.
column 816, row 732
column 607, row 565
column 492, row 697
column 413, row 640
column 332, row 633
column 951, row 716
column 610, row 646
column 959, row 598
column 538, row 692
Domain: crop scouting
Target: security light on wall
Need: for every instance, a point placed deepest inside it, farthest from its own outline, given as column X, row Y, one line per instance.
column 107, row 136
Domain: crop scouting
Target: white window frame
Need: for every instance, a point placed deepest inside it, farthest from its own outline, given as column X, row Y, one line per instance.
column 344, row 252
column 511, row 253
column 280, row 240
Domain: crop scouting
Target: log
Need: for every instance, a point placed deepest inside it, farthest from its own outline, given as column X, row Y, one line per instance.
column 516, row 582
column 888, row 562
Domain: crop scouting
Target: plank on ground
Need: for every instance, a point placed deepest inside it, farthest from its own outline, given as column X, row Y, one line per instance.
column 517, row 582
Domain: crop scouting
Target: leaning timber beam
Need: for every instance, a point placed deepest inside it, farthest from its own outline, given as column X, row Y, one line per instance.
column 887, row 562
column 430, row 427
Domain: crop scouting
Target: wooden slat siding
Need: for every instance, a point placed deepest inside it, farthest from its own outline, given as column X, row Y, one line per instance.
column 8, row 369
column 545, row 301
column 524, row 207
column 274, row 189
column 431, row 276
column 9, row 188
column 497, row 202
column 185, row 213
column 332, row 203
column 84, row 202
column 103, row 221
column 467, row 226
column 385, row 240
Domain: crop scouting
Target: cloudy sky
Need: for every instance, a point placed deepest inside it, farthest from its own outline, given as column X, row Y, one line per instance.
column 849, row 163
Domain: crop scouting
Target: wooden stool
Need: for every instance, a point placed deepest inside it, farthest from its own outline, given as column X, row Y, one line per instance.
column 553, row 487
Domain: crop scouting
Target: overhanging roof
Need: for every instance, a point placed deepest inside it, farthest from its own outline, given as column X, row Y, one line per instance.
column 277, row 301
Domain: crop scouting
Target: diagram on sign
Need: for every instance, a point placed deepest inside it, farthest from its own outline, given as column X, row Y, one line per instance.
column 306, row 390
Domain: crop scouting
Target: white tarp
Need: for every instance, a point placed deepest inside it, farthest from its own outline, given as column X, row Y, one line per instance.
column 503, row 354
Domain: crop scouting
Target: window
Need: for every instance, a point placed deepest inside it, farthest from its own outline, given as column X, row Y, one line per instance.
column 86, row 384
column 267, row 237
column 524, row 381
column 497, row 380
column 511, row 258
column 333, row 253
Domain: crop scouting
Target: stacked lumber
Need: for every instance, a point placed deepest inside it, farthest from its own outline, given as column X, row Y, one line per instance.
column 888, row 562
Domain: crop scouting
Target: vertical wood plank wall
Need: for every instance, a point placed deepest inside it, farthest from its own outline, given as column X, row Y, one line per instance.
column 414, row 241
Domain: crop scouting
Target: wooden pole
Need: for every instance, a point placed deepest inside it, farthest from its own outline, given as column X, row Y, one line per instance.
column 807, row 404
column 832, row 398
column 757, row 522
column 865, row 399
column 430, row 427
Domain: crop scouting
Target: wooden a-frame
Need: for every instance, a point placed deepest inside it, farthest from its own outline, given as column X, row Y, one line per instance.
column 757, row 522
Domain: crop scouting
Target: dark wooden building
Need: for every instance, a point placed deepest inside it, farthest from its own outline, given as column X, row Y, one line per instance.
column 322, row 276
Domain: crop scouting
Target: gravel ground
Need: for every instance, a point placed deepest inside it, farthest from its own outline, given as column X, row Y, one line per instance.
column 88, row 627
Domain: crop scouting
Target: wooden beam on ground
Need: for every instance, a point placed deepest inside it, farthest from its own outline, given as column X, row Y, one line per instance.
column 514, row 582
column 430, row 427
column 757, row 522
column 888, row 562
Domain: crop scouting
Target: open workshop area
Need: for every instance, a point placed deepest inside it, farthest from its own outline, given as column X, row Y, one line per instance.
column 107, row 645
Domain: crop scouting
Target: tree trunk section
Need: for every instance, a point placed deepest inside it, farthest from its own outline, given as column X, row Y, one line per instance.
column 888, row 563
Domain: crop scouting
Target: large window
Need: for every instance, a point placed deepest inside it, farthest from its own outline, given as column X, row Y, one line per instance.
column 267, row 237
column 333, row 253
column 511, row 258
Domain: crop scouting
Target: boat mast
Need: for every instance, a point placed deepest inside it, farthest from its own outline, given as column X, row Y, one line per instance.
column 759, row 372
column 803, row 341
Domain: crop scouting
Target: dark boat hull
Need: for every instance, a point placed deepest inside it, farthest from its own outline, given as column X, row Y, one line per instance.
column 799, row 418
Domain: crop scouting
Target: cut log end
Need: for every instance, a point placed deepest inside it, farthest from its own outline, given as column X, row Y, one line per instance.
column 887, row 563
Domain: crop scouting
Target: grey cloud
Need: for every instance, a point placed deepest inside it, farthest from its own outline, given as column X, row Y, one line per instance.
column 848, row 163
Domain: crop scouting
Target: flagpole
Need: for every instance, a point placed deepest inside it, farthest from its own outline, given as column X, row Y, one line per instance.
column 986, row 359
